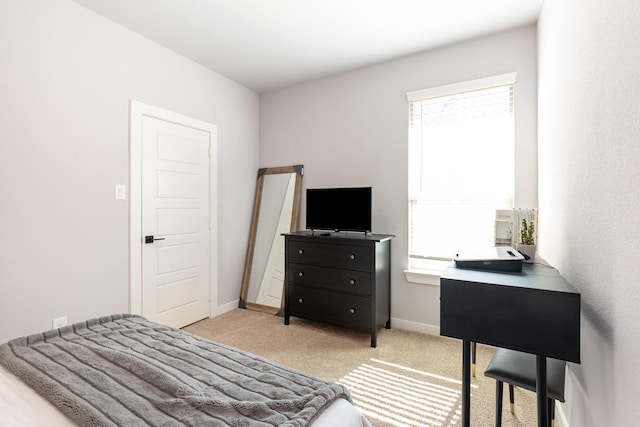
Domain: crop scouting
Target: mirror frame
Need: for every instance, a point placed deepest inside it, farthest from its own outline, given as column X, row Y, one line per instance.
column 299, row 171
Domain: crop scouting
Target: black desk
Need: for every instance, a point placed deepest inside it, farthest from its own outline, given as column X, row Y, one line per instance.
column 534, row 311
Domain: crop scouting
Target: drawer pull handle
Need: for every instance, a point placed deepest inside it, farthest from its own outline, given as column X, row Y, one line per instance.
column 351, row 281
column 300, row 274
column 300, row 251
column 352, row 256
column 300, row 300
column 352, row 310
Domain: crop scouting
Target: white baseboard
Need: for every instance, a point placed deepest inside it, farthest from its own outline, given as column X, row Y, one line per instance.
column 225, row 308
column 561, row 418
column 408, row 325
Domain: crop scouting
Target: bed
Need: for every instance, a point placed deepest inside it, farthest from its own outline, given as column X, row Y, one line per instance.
column 123, row 370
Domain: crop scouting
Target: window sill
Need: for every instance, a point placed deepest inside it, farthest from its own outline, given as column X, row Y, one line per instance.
column 426, row 271
column 424, row 277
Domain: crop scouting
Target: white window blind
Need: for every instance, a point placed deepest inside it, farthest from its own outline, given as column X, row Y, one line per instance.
column 461, row 165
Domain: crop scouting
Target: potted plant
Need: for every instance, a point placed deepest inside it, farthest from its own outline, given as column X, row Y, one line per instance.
column 527, row 245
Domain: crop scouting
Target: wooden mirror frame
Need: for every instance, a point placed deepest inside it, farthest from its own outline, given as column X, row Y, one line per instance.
column 298, row 170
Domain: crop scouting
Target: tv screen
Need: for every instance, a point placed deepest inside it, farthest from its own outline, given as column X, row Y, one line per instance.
column 339, row 209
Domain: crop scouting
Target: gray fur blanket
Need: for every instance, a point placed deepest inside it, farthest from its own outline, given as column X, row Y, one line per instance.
column 124, row 370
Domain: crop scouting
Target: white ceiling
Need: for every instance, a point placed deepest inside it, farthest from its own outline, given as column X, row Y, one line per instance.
column 270, row 44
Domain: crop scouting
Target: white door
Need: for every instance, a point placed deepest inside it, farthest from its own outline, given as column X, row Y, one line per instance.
column 176, row 241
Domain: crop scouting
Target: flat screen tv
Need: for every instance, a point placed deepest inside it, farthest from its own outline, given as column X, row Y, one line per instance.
column 339, row 209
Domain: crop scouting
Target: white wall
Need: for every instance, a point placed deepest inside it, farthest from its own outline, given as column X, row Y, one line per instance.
column 351, row 130
column 66, row 77
column 589, row 189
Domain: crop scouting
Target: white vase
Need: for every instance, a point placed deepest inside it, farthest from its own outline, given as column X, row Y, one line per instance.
column 527, row 251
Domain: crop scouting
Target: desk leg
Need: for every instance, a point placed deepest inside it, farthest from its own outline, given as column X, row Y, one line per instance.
column 473, row 359
column 466, row 383
column 541, row 391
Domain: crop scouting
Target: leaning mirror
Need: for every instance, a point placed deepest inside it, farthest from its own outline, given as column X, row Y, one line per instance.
column 275, row 211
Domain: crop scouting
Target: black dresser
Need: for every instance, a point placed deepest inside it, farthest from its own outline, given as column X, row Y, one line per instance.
column 339, row 278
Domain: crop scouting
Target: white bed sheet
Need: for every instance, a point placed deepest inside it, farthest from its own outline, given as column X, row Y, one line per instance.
column 21, row 406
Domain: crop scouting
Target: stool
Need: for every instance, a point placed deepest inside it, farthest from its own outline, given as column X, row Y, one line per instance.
column 519, row 369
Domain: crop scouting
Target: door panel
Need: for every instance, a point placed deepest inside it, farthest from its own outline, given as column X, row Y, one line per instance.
column 176, row 294
column 177, row 221
column 175, row 209
column 177, row 258
column 176, row 148
column 179, row 185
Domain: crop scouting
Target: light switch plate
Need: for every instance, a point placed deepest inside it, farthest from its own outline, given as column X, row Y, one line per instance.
column 121, row 192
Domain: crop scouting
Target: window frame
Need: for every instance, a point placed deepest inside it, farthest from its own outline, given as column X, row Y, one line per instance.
column 433, row 266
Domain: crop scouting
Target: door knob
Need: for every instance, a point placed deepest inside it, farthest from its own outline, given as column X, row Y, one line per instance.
column 151, row 239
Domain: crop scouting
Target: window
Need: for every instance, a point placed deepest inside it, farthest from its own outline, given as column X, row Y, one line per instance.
column 461, row 166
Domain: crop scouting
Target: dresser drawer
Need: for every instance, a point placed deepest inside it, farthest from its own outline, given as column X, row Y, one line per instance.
column 317, row 304
column 355, row 281
column 343, row 256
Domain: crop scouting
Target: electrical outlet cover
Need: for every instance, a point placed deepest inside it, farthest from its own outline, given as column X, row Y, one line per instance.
column 59, row 322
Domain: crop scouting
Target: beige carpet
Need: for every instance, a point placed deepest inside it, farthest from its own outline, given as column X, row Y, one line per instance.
column 410, row 379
